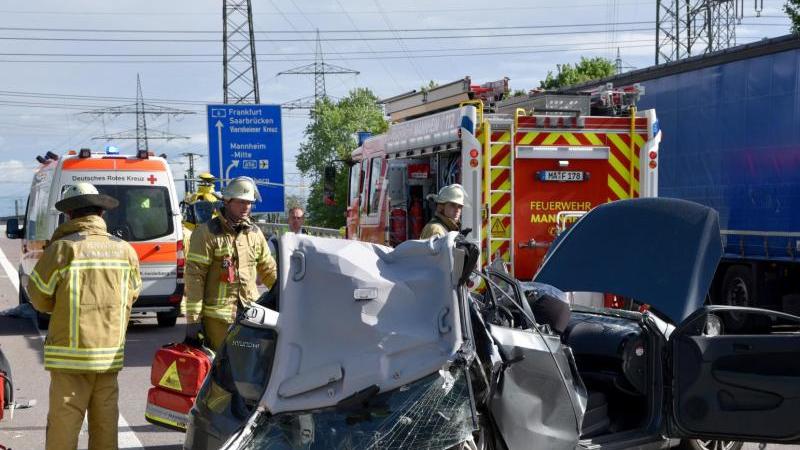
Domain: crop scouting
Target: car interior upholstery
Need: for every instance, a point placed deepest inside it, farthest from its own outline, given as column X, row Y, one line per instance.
column 611, row 356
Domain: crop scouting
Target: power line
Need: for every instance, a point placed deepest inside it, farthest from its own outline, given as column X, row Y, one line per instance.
column 92, row 97
column 562, row 5
column 353, row 52
column 362, row 38
column 368, row 58
column 401, row 43
column 296, row 31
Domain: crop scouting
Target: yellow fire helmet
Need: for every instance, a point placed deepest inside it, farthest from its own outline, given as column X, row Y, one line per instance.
column 206, row 178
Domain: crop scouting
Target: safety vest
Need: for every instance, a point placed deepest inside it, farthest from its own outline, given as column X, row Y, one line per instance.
column 209, row 291
column 88, row 280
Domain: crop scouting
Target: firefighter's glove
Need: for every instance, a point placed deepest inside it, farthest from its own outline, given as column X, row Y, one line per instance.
column 194, row 335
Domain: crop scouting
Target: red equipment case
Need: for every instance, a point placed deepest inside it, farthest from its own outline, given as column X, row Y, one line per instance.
column 177, row 374
column 168, row 408
column 180, row 368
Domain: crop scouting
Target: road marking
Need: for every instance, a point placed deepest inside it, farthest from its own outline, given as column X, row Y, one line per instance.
column 13, row 276
column 126, row 437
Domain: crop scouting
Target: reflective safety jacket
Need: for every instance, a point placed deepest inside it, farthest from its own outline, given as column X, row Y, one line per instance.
column 88, row 280
column 187, row 239
column 439, row 226
column 208, row 291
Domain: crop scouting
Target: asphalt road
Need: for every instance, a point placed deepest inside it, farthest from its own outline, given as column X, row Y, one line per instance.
column 22, row 345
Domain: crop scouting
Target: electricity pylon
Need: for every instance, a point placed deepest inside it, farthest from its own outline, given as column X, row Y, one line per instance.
column 319, row 68
column 239, row 67
column 141, row 109
column 694, row 27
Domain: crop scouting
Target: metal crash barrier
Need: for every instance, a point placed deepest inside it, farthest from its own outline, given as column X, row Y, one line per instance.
column 280, row 228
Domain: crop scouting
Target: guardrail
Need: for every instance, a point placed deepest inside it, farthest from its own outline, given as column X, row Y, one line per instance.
column 280, row 228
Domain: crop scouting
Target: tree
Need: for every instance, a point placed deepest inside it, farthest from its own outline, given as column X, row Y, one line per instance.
column 330, row 137
column 293, row 201
column 792, row 9
column 586, row 70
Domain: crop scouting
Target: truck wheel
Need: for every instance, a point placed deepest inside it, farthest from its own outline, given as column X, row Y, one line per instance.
column 737, row 290
column 700, row 444
column 166, row 319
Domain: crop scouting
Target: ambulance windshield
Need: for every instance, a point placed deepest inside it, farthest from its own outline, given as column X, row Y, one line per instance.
column 144, row 212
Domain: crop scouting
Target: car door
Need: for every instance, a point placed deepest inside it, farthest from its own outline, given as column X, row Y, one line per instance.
column 739, row 386
column 538, row 400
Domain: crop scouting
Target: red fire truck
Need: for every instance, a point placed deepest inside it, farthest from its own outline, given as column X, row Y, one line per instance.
column 530, row 165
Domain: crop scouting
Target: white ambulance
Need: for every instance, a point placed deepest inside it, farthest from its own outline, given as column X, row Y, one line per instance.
column 148, row 217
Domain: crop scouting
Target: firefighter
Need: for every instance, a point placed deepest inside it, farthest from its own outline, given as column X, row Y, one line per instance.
column 449, row 203
column 226, row 254
column 87, row 279
column 205, row 196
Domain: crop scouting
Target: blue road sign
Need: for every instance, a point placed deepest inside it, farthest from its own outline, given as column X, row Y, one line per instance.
column 246, row 140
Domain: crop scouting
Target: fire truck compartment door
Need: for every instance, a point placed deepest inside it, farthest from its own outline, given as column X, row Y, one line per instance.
column 549, row 180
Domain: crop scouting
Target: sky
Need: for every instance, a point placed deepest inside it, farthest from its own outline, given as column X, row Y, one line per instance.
column 59, row 60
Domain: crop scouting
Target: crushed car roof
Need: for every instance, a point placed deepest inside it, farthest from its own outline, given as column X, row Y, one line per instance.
column 658, row 251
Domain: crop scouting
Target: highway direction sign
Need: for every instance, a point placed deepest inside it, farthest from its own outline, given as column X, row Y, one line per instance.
column 246, row 140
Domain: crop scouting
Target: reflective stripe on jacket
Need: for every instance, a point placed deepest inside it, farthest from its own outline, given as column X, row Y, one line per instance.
column 88, row 280
column 212, row 242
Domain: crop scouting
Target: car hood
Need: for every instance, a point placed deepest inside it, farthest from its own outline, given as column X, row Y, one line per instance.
column 658, row 251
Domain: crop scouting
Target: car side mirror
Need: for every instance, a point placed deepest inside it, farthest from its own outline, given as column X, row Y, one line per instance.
column 329, row 185
column 12, row 229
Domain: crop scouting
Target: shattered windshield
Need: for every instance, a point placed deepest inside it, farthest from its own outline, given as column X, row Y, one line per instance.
column 434, row 413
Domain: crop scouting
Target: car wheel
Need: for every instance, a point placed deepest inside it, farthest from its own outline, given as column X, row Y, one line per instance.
column 166, row 320
column 737, row 290
column 701, row 444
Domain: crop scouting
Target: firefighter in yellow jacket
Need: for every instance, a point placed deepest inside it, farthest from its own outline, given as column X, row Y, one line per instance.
column 226, row 255
column 87, row 280
column 449, row 203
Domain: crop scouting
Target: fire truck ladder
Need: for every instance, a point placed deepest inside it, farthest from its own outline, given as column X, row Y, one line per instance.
column 501, row 182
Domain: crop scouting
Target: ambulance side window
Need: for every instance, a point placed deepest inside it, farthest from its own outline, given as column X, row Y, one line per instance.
column 373, row 201
column 36, row 226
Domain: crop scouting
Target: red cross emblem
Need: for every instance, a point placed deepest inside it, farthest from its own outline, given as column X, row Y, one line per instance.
column 152, row 179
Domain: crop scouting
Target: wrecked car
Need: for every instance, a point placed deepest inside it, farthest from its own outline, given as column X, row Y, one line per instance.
column 367, row 347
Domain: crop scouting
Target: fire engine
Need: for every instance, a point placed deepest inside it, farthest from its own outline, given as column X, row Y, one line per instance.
column 531, row 165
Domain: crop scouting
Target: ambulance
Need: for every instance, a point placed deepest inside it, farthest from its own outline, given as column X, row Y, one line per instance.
column 148, row 217
column 530, row 165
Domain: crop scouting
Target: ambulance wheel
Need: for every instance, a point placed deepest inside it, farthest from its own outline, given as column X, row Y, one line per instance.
column 166, row 319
